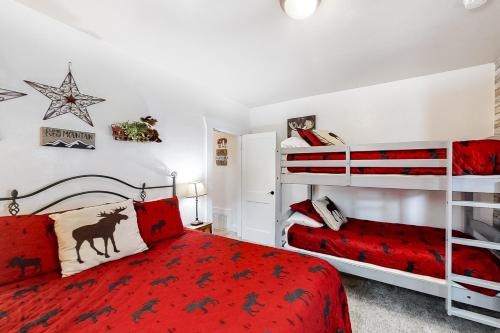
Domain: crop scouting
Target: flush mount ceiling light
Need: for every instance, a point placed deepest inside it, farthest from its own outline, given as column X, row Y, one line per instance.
column 299, row 9
column 473, row 4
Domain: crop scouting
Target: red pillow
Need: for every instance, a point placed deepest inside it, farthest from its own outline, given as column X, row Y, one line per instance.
column 306, row 207
column 159, row 220
column 309, row 137
column 28, row 247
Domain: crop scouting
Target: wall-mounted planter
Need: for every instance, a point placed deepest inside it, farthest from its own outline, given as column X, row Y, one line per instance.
column 137, row 131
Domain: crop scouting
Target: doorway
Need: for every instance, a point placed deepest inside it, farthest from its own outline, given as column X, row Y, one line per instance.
column 226, row 178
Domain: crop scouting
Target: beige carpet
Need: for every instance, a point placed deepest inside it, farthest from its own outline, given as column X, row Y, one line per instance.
column 376, row 307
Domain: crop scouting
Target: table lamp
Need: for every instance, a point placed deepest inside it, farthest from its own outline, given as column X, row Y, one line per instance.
column 195, row 190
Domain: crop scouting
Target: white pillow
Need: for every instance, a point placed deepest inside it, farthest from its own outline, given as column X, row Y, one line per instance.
column 332, row 216
column 328, row 138
column 82, row 235
column 299, row 218
column 294, row 142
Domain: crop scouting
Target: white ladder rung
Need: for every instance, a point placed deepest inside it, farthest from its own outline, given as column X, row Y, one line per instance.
column 476, row 243
column 475, row 282
column 477, row 204
column 480, row 318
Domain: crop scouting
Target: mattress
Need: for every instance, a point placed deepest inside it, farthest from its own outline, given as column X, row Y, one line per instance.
column 477, row 157
column 418, row 250
column 194, row 283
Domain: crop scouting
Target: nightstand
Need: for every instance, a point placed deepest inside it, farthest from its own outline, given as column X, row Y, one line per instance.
column 205, row 227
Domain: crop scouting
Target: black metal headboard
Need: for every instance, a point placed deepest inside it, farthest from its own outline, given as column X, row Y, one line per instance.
column 14, row 204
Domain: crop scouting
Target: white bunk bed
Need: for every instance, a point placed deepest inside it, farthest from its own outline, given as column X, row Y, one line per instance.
column 447, row 288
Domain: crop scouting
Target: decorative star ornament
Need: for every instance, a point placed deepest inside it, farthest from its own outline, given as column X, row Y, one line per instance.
column 66, row 99
column 9, row 94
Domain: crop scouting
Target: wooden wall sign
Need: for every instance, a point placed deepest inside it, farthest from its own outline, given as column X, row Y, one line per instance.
column 56, row 137
column 221, row 155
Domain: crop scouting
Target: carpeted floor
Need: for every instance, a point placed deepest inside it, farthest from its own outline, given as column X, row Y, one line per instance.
column 376, row 307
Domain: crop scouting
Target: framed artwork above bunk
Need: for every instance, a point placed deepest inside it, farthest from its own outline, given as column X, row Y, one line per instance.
column 306, row 122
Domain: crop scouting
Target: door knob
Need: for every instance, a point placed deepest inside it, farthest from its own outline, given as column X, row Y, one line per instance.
column 271, row 193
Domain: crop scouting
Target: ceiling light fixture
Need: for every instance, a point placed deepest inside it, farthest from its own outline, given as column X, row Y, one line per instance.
column 473, row 4
column 299, row 9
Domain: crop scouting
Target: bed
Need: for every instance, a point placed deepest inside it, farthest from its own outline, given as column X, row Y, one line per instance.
column 460, row 169
column 193, row 282
column 414, row 249
column 475, row 157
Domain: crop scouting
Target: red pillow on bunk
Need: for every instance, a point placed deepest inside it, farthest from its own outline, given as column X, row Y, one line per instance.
column 159, row 219
column 306, row 207
column 28, row 247
column 309, row 137
column 476, row 157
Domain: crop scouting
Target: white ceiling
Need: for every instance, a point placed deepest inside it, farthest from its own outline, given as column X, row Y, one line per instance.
column 252, row 53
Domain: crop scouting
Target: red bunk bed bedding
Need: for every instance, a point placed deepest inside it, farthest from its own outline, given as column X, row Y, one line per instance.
column 193, row 283
column 477, row 157
column 414, row 249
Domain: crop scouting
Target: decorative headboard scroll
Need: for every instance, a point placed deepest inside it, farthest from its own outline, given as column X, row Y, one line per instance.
column 14, row 207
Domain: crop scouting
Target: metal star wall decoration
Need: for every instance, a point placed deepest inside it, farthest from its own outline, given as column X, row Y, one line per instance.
column 9, row 94
column 66, row 99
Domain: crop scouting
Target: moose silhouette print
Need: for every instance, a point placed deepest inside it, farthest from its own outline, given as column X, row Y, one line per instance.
column 23, row 263
column 104, row 229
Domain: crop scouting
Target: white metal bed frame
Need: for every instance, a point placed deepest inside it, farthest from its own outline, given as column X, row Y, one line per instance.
column 447, row 288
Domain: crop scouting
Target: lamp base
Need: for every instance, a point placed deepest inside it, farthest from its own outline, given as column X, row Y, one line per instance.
column 195, row 223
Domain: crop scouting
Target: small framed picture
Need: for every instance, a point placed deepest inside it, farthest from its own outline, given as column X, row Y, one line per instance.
column 306, row 122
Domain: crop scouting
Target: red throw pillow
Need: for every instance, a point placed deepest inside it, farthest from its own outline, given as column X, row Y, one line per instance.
column 306, row 207
column 309, row 137
column 159, row 220
column 28, row 247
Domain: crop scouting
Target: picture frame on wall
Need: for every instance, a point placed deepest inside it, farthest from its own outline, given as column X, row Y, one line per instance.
column 305, row 122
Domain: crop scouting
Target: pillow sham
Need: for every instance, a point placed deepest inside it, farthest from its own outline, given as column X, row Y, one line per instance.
column 332, row 216
column 294, row 142
column 28, row 247
column 309, row 137
column 306, row 207
column 329, row 138
column 91, row 236
column 299, row 218
column 159, row 219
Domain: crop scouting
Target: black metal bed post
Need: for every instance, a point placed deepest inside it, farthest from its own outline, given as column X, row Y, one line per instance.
column 14, row 206
column 174, row 184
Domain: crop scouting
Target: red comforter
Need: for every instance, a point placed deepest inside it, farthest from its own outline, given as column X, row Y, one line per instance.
column 469, row 158
column 193, row 283
column 419, row 250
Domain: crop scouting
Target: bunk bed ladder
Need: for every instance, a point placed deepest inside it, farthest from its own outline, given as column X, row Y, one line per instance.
column 451, row 278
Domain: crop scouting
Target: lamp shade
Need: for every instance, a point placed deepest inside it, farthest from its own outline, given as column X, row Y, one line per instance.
column 196, row 189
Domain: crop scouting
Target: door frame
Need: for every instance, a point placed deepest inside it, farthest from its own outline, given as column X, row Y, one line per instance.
column 212, row 124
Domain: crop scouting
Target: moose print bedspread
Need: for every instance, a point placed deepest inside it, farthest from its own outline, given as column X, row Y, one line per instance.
column 414, row 249
column 193, row 283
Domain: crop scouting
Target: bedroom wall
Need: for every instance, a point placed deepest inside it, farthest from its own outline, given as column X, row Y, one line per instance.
column 38, row 49
column 452, row 105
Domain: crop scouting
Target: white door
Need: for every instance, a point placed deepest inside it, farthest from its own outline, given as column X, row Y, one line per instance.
column 259, row 188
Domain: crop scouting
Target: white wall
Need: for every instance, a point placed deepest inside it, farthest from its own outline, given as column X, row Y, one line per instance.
column 452, row 105
column 38, row 49
column 226, row 178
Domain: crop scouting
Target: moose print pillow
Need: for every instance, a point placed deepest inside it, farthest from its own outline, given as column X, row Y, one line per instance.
column 91, row 236
column 28, row 247
column 332, row 216
column 159, row 219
